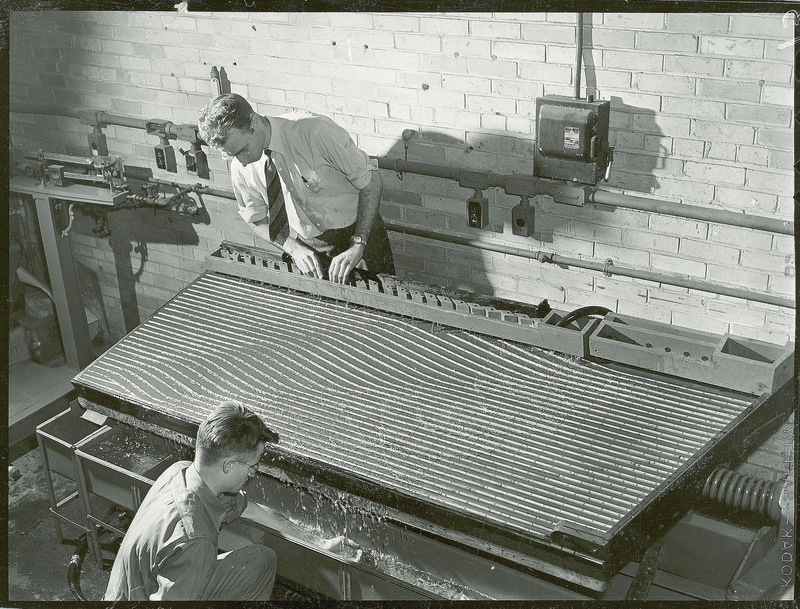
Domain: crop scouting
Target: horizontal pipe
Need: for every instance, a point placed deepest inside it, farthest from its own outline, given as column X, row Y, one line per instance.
column 530, row 185
column 199, row 188
column 608, row 269
column 426, row 169
column 493, row 179
column 669, row 208
column 47, row 109
column 104, row 118
column 596, row 195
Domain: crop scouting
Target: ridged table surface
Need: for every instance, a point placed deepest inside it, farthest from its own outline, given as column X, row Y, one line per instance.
column 511, row 435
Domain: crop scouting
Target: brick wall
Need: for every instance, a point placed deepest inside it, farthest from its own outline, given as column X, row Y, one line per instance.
column 701, row 114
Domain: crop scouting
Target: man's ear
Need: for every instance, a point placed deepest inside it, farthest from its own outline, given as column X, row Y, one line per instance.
column 226, row 465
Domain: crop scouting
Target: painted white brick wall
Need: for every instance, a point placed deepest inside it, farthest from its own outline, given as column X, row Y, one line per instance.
column 701, row 114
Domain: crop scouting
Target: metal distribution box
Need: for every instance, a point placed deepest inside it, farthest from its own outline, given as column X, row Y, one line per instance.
column 572, row 139
column 737, row 363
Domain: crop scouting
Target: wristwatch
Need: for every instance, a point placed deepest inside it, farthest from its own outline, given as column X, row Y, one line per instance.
column 357, row 240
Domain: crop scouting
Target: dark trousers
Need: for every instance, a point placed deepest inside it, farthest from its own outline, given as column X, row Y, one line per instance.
column 377, row 254
column 246, row 574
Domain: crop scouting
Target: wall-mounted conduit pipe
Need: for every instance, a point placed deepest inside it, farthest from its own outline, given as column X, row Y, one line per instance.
column 46, row 109
column 515, row 185
column 520, row 185
column 101, row 118
column 578, row 53
column 603, row 267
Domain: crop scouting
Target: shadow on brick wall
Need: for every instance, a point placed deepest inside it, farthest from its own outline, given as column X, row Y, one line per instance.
column 440, row 204
column 132, row 233
column 641, row 157
column 641, row 152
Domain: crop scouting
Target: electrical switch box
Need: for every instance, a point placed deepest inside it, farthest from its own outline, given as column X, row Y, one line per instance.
column 98, row 144
column 201, row 164
column 165, row 158
column 523, row 217
column 572, row 139
column 196, row 162
column 478, row 211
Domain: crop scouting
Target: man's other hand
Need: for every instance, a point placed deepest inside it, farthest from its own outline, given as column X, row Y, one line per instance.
column 344, row 263
column 305, row 259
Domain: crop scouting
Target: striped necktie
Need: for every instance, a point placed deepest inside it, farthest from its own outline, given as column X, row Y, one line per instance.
column 278, row 220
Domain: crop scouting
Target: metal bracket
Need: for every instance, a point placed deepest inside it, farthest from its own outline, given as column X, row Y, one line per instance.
column 477, row 180
column 647, row 570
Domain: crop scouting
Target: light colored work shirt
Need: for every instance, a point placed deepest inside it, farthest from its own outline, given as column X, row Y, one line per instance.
column 321, row 172
column 170, row 549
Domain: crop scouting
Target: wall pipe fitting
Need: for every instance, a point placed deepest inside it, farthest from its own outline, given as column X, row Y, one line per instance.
column 528, row 186
column 603, row 267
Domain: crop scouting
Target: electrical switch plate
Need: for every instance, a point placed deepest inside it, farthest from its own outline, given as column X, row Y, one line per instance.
column 97, row 144
column 165, row 158
column 522, row 219
column 201, row 164
column 478, row 212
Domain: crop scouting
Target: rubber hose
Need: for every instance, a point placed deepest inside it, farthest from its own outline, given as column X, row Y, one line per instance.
column 582, row 312
column 74, row 570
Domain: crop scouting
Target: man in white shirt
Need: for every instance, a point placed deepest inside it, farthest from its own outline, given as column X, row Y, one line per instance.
column 328, row 191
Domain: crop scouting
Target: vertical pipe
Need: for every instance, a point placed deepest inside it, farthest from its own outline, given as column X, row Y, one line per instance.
column 578, row 54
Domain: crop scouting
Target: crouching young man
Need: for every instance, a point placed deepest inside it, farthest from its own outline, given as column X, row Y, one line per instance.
column 170, row 551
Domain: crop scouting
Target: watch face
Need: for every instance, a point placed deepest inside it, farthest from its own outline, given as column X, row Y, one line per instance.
column 357, row 239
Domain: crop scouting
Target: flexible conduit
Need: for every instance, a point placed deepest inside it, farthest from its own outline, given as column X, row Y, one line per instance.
column 535, row 187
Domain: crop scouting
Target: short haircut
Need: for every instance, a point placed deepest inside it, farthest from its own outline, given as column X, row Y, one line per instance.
column 230, row 430
column 218, row 117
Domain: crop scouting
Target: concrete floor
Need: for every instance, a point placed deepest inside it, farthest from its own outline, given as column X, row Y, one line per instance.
column 33, row 546
column 37, row 561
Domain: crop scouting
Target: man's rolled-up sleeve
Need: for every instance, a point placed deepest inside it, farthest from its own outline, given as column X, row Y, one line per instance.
column 252, row 206
column 185, row 570
column 339, row 149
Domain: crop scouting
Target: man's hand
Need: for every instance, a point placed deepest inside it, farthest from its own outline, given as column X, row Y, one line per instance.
column 341, row 265
column 305, row 259
column 339, row 544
